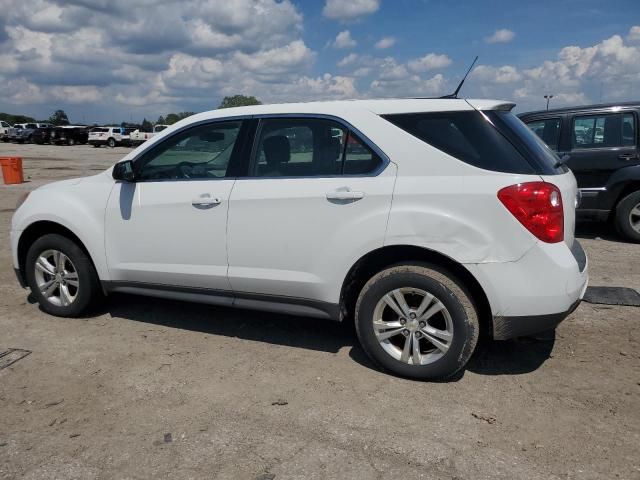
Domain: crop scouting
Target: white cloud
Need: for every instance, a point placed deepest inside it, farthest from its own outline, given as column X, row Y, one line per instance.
column 504, row 74
column 385, row 42
column 348, row 60
column 349, row 9
column 634, row 34
column 431, row 61
column 344, row 40
column 500, row 36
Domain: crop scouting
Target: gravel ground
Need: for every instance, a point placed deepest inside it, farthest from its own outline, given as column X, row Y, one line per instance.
column 161, row 389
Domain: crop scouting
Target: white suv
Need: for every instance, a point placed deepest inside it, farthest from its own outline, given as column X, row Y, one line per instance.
column 425, row 221
column 109, row 136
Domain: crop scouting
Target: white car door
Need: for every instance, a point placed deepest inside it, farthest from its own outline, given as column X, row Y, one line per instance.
column 169, row 227
column 299, row 221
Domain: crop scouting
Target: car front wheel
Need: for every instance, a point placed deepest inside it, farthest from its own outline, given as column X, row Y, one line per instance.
column 111, row 142
column 417, row 321
column 61, row 276
column 627, row 217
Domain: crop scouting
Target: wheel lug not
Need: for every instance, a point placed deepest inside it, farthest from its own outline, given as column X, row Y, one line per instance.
column 403, row 321
column 422, row 324
column 405, row 333
column 412, row 315
column 418, row 334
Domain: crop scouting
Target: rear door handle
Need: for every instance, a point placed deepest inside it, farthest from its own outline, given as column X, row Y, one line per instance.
column 345, row 195
column 205, row 200
column 628, row 156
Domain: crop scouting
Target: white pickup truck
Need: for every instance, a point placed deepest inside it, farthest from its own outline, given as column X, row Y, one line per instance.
column 138, row 137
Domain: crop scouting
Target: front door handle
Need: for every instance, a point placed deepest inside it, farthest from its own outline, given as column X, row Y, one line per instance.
column 205, row 200
column 628, row 156
column 345, row 195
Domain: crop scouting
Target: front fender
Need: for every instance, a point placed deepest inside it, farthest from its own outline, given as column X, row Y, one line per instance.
column 78, row 206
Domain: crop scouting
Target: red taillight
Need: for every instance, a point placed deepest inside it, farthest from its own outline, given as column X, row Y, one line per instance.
column 537, row 206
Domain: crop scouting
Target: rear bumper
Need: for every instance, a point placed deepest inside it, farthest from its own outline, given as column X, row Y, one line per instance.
column 512, row 327
column 536, row 292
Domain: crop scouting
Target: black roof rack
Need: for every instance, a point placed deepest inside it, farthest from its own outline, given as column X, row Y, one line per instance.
column 598, row 106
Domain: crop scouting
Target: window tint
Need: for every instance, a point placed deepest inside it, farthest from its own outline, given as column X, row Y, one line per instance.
column 310, row 147
column 597, row 131
column 196, row 153
column 359, row 158
column 548, row 130
column 468, row 136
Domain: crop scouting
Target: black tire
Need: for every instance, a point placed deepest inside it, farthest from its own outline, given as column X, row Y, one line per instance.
column 623, row 217
column 71, row 142
column 95, row 145
column 111, row 142
column 449, row 291
column 88, row 292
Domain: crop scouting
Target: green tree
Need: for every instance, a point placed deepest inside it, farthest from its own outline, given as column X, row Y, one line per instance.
column 146, row 125
column 59, row 118
column 239, row 101
column 172, row 118
column 160, row 120
column 13, row 119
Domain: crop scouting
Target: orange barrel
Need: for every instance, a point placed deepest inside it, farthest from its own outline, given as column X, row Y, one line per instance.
column 11, row 170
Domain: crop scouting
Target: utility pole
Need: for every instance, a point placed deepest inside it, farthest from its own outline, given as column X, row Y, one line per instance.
column 548, row 97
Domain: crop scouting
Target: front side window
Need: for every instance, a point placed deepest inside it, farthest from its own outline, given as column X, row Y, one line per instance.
column 597, row 131
column 201, row 152
column 548, row 130
column 310, row 147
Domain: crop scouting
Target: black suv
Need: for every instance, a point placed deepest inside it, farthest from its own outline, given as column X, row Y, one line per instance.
column 600, row 145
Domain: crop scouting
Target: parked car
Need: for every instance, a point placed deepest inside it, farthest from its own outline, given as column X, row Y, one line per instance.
column 70, row 135
column 137, row 137
column 424, row 221
column 41, row 135
column 600, row 145
column 109, row 136
column 23, row 132
column 4, row 131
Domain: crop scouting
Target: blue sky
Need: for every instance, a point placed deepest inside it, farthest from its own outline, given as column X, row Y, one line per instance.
column 113, row 60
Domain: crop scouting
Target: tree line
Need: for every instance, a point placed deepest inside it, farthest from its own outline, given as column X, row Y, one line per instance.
column 60, row 118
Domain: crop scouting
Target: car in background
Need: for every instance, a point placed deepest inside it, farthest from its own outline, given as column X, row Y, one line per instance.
column 600, row 144
column 109, row 136
column 137, row 137
column 23, row 132
column 42, row 135
column 4, row 131
column 70, row 135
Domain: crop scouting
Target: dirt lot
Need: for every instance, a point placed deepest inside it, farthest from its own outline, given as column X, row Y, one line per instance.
column 161, row 389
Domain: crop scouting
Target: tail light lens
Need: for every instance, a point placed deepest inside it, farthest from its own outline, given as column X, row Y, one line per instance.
column 537, row 206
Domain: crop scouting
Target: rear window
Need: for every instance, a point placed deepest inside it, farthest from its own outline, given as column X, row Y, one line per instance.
column 99, row 130
column 497, row 142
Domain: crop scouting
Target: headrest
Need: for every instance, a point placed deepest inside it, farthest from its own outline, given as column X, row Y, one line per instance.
column 277, row 149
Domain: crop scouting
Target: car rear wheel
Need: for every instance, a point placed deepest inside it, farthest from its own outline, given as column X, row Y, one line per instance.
column 111, row 142
column 627, row 217
column 417, row 321
column 61, row 276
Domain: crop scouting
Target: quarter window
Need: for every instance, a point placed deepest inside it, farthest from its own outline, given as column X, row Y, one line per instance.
column 597, row 131
column 309, row 147
column 196, row 153
column 548, row 130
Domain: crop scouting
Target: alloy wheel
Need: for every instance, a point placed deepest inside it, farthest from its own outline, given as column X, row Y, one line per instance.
column 413, row 326
column 634, row 218
column 57, row 278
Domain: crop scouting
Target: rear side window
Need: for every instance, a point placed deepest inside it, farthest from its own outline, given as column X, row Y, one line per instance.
column 467, row 136
column 548, row 130
column 597, row 131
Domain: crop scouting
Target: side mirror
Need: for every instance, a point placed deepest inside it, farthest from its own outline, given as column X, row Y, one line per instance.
column 124, row 171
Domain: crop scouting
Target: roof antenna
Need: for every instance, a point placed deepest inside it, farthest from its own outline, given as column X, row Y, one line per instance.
column 455, row 94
